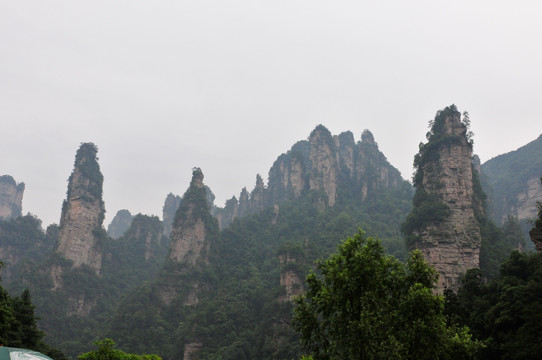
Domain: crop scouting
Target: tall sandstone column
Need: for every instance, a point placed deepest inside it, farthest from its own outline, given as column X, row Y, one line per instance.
column 324, row 160
column 83, row 211
column 193, row 233
column 188, row 235
column 11, row 198
column 442, row 223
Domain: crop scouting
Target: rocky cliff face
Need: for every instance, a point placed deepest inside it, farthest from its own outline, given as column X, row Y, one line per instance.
column 525, row 207
column 194, row 230
column 289, row 276
column 11, row 198
column 536, row 231
column 188, row 236
column 512, row 182
column 171, row 204
column 145, row 237
column 228, row 213
column 324, row 163
column 120, row 223
column 442, row 223
column 83, row 211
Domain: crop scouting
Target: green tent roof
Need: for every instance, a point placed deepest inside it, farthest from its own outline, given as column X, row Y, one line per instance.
column 9, row 353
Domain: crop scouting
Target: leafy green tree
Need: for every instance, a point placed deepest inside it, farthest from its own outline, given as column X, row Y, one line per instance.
column 506, row 312
column 369, row 305
column 27, row 321
column 106, row 351
column 8, row 330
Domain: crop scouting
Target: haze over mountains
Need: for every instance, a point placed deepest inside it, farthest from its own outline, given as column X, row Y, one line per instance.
column 248, row 81
column 510, row 181
column 210, row 280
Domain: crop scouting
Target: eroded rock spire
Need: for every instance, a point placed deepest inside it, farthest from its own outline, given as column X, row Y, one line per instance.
column 442, row 223
column 83, row 211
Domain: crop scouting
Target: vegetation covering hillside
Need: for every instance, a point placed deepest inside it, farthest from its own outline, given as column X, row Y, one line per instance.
column 241, row 314
column 230, row 297
column 507, row 176
column 70, row 327
column 19, row 324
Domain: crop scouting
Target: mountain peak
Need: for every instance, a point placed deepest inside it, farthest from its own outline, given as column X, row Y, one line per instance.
column 11, row 198
column 83, row 210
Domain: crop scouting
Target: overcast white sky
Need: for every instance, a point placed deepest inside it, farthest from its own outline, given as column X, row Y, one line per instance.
column 163, row 86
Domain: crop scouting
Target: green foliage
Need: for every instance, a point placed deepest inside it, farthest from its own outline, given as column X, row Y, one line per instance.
column 23, row 239
column 127, row 262
column 506, row 312
column 537, row 226
column 194, row 206
column 106, row 351
column 368, row 305
column 30, row 335
column 23, row 231
column 427, row 210
column 430, row 211
column 437, row 138
column 18, row 324
column 497, row 244
column 508, row 176
column 238, row 314
column 87, row 167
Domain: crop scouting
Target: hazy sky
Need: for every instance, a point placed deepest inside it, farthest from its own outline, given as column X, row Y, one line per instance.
column 163, row 86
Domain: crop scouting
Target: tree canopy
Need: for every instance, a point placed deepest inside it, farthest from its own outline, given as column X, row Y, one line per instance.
column 369, row 305
column 506, row 312
column 107, row 351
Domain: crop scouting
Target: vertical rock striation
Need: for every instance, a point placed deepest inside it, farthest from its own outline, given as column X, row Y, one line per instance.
column 290, row 277
column 83, row 211
column 337, row 166
column 171, row 204
column 512, row 182
column 11, row 198
column 325, row 164
column 442, row 223
column 536, row 231
column 188, row 235
column 194, row 230
column 144, row 238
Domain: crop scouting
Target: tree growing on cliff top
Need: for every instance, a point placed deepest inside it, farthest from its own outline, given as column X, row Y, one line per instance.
column 368, row 305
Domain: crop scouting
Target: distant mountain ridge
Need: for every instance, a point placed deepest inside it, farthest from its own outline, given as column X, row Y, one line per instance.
column 229, row 292
column 325, row 162
column 207, row 280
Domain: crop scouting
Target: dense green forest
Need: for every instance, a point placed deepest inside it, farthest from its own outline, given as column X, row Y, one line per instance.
column 19, row 324
column 505, row 313
column 240, row 314
column 232, row 301
column 124, row 268
column 244, row 286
